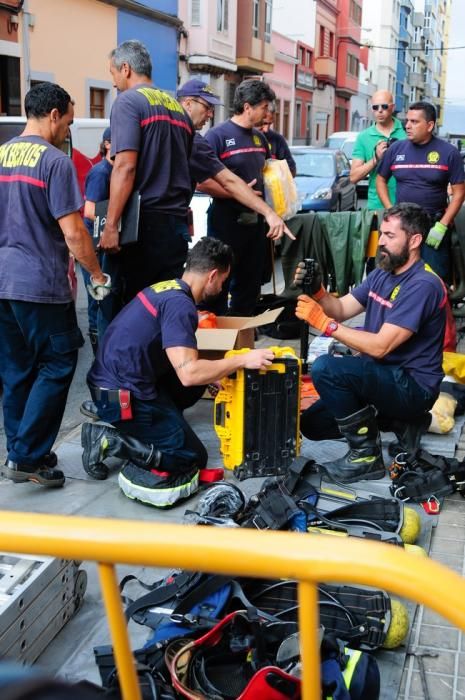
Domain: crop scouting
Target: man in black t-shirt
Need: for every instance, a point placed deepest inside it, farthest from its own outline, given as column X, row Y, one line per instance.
column 244, row 150
column 151, row 141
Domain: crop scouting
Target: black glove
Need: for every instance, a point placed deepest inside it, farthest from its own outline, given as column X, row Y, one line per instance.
column 316, row 281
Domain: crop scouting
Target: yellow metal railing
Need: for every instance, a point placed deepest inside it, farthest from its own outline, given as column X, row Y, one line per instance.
column 237, row 552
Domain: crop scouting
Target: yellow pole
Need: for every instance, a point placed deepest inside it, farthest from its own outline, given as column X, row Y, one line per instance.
column 309, row 624
column 124, row 659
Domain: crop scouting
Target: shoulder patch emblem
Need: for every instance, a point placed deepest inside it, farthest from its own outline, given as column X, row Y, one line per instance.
column 159, row 287
column 257, row 140
column 230, row 142
column 394, row 293
column 433, row 157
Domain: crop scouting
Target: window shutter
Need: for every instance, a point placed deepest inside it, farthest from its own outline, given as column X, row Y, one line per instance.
column 195, row 12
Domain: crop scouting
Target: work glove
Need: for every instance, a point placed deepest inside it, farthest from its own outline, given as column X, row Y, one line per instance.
column 316, row 286
column 99, row 291
column 310, row 311
column 435, row 235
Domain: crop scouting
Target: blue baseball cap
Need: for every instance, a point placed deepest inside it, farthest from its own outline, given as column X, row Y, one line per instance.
column 106, row 136
column 197, row 88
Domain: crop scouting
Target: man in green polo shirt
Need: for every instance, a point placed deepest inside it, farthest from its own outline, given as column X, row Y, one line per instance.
column 372, row 143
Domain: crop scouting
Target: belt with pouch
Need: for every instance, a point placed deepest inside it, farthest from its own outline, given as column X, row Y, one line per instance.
column 120, row 397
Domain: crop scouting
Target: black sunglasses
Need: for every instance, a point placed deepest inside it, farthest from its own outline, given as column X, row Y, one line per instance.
column 376, row 107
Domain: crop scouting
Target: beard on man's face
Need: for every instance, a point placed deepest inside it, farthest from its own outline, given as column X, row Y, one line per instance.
column 389, row 262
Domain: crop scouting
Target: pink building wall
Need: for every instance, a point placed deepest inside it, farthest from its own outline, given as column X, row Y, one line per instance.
column 282, row 80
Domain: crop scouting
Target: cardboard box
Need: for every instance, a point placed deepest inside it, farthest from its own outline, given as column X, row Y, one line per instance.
column 233, row 333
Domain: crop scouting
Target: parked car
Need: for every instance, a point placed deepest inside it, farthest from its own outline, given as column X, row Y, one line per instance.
column 345, row 141
column 322, row 179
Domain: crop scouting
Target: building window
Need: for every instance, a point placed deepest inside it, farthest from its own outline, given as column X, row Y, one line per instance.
column 97, row 103
column 255, row 17
column 222, row 15
column 309, row 59
column 355, row 12
column 427, row 20
column 298, row 119
column 302, row 56
column 268, row 13
column 286, row 110
column 195, row 13
column 352, row 65
column 308, row 127
column 331, row 44
column 322, row 40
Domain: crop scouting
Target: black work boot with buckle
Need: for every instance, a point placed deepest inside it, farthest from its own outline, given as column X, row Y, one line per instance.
column 408, row 434
column 43, row 475
column 102, row 441
column 364, row 460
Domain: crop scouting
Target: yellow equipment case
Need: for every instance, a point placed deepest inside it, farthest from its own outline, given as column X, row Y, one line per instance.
column 257, row 416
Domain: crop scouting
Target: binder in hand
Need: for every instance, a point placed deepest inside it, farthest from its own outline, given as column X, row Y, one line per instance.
column 128, row 225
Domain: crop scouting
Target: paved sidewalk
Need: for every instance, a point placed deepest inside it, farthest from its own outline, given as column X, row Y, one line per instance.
column 71, row 654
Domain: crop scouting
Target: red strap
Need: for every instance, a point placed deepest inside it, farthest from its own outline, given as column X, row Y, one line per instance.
column 150, row 307
column 125, row 404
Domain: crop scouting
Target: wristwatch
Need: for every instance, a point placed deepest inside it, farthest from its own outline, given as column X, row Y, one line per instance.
column 330, row 328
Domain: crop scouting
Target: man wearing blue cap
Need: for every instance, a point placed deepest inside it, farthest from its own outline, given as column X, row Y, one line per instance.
column 199, row 101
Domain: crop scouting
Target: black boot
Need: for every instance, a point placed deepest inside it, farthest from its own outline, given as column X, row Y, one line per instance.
column 102, row 441
column 408, row 434
column 93, row 337
column 364, row 459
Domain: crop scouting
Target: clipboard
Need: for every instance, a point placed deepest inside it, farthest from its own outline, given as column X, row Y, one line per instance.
column 128, row 225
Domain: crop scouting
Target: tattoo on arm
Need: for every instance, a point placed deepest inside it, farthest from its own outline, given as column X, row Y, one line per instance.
column 183, row 364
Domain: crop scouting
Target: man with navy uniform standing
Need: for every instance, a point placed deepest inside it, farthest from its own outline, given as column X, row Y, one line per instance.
column 151, row 140
column 243, row 149
column 278, row 144
column 423, row 167
column 39, row 226
column 199, row 100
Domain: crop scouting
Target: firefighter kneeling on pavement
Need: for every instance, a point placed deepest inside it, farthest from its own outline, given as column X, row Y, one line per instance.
column 147, row 371
column 397, row 373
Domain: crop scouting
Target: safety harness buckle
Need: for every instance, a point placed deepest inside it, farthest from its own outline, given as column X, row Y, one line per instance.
column 431, row 506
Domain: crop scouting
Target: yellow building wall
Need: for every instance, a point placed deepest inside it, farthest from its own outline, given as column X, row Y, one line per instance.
column 70, row 42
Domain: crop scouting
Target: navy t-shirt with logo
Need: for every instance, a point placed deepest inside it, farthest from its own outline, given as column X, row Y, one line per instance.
column 422, row 172
column 280, row 149
column 38, row 185
column 203, row 162
column 415, row 299
column 97, row 186
column 242, row 150
column 132, row 355
column 151, row 122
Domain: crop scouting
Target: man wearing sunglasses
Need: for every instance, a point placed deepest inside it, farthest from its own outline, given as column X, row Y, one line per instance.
column 372, row 143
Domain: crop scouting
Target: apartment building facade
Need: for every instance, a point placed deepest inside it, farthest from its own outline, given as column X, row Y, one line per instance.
column 10, row 52
column 68, row 42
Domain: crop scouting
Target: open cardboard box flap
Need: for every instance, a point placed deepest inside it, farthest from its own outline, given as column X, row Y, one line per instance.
column 233, row 332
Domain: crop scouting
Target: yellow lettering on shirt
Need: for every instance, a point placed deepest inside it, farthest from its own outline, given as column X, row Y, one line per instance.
column 25, row 153
column 394, row 293
column 159, row 98
column 165, row 286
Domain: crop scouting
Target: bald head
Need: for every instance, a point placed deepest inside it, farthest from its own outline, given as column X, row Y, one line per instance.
column 383, row 106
